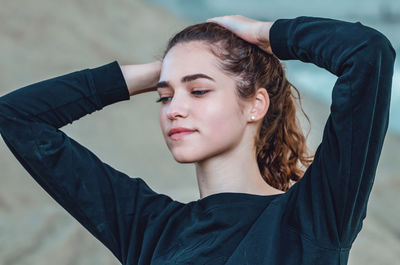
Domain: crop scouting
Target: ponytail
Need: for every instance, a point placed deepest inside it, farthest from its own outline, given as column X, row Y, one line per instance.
column 281, row 145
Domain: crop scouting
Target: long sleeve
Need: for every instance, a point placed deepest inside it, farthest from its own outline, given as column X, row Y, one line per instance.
column 107, row 202
column 329, row 204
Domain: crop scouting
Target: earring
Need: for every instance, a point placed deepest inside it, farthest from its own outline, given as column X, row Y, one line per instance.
column 253, row 118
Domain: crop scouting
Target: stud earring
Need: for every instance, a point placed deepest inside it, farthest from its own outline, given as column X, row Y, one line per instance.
column 253, row 118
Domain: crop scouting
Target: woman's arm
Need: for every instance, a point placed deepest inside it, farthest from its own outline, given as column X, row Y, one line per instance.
column 334, row 191
column 141, row 78
column 330, row 202
column 110, row 204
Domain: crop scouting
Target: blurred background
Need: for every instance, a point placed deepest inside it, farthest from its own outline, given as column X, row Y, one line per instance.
column 42, row 39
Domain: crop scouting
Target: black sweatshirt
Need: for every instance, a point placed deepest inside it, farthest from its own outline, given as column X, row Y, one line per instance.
column 314, row 222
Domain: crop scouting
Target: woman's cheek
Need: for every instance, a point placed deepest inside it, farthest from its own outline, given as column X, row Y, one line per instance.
column 221, row 123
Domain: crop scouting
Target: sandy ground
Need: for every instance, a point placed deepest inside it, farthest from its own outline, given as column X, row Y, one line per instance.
column 45, row 38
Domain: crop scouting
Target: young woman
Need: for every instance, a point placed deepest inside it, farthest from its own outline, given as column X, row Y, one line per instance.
column 228, row 108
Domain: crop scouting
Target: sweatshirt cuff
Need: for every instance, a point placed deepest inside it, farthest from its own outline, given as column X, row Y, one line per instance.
column 279, row 38
column 109, row 83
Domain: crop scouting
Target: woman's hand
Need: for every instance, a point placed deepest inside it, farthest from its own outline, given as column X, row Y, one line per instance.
column 253, row 31
column 141, row 78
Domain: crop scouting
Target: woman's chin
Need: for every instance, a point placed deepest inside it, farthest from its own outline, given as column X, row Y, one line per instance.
column 186, row 157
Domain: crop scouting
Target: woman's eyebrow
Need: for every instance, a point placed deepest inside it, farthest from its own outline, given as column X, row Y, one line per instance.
column 185, row 79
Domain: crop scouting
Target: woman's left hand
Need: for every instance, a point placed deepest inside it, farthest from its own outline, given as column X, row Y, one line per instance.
column 253, row 31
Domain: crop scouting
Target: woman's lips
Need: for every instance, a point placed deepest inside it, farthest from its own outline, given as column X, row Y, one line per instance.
column 177, row 136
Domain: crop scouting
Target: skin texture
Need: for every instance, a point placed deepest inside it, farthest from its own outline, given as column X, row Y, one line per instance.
column 222, row 145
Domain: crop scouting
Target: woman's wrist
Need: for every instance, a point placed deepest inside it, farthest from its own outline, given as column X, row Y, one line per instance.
column 264, row 36
column 141, row 78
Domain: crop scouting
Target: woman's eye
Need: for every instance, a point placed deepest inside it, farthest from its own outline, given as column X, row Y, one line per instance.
column 202, row 92
column 164, row 100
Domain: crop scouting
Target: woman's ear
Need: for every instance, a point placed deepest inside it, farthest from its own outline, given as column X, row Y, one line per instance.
column 260, row 105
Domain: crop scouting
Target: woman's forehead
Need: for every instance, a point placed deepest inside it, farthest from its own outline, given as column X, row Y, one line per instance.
column 191, row 49
column 189, row 58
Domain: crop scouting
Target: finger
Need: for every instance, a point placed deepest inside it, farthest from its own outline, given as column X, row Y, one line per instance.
column 224, row 21
column 214, row 19
column 220, row 19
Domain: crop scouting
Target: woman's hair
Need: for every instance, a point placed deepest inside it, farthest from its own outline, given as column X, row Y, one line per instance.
column 280, row 143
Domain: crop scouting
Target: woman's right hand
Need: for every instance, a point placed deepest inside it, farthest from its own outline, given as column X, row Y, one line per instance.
column 141, row 78
column 253, row 31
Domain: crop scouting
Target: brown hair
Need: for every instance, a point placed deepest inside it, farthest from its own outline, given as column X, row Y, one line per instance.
column 280, row 143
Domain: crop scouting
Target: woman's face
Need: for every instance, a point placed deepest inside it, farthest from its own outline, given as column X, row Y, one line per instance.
column 198, row 96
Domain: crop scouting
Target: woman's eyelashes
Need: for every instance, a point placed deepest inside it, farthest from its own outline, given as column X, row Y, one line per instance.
column 163, row 100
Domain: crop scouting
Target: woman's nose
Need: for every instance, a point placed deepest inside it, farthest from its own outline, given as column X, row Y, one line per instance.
column 177, row 107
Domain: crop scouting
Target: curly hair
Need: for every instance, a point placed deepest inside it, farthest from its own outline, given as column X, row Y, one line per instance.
column 280, row 143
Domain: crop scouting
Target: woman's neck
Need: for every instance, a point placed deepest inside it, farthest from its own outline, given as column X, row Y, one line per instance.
column 236, row 171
